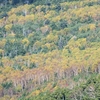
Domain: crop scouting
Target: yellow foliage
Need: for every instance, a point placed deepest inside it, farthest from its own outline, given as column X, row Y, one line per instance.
column 19, row 9
column 83, row 28
column 18, row 88
column 1, row 88
column 12, row 40
column 8, row 27
column 52, row 38
column 87, row 27
column 7, row 70
column 1, row 51
column 45, row 29
column 37, row 44
column 13, row 98
column 25, row 41
column 2, row 77
column 12, row 19
column 30, row 35
column 50, row 14
column 12, row 11
column 54, row 60
column 6, row 97
column 50, row 46
column 23, row 19
column 11, row 35
column 39, row 16
column 2, row 43
column 29, row 17
column 1, row 22
column 65, row 52
column 37, row 92
column 56, row 19
column 92, row 26
column 55, row 88
column 38, row 8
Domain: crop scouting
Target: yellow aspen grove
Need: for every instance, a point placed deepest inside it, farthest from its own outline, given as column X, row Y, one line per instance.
column 49, row 49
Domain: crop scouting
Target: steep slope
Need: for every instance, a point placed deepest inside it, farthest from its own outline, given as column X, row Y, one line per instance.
column 46, row 47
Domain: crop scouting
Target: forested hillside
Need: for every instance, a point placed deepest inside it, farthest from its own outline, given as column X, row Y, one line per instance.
column 49, row 49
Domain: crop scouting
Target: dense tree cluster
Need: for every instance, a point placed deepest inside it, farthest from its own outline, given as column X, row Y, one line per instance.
column 14, row 2
column 45, row 46
column 89, row 90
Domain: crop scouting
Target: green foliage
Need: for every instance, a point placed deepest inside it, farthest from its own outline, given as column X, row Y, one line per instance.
column 49, row 45
column 32, row 65
column 12, row 49
column 7, row 85
column 78, row 92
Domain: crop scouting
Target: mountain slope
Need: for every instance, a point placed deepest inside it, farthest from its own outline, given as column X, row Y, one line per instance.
column 47, row 47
